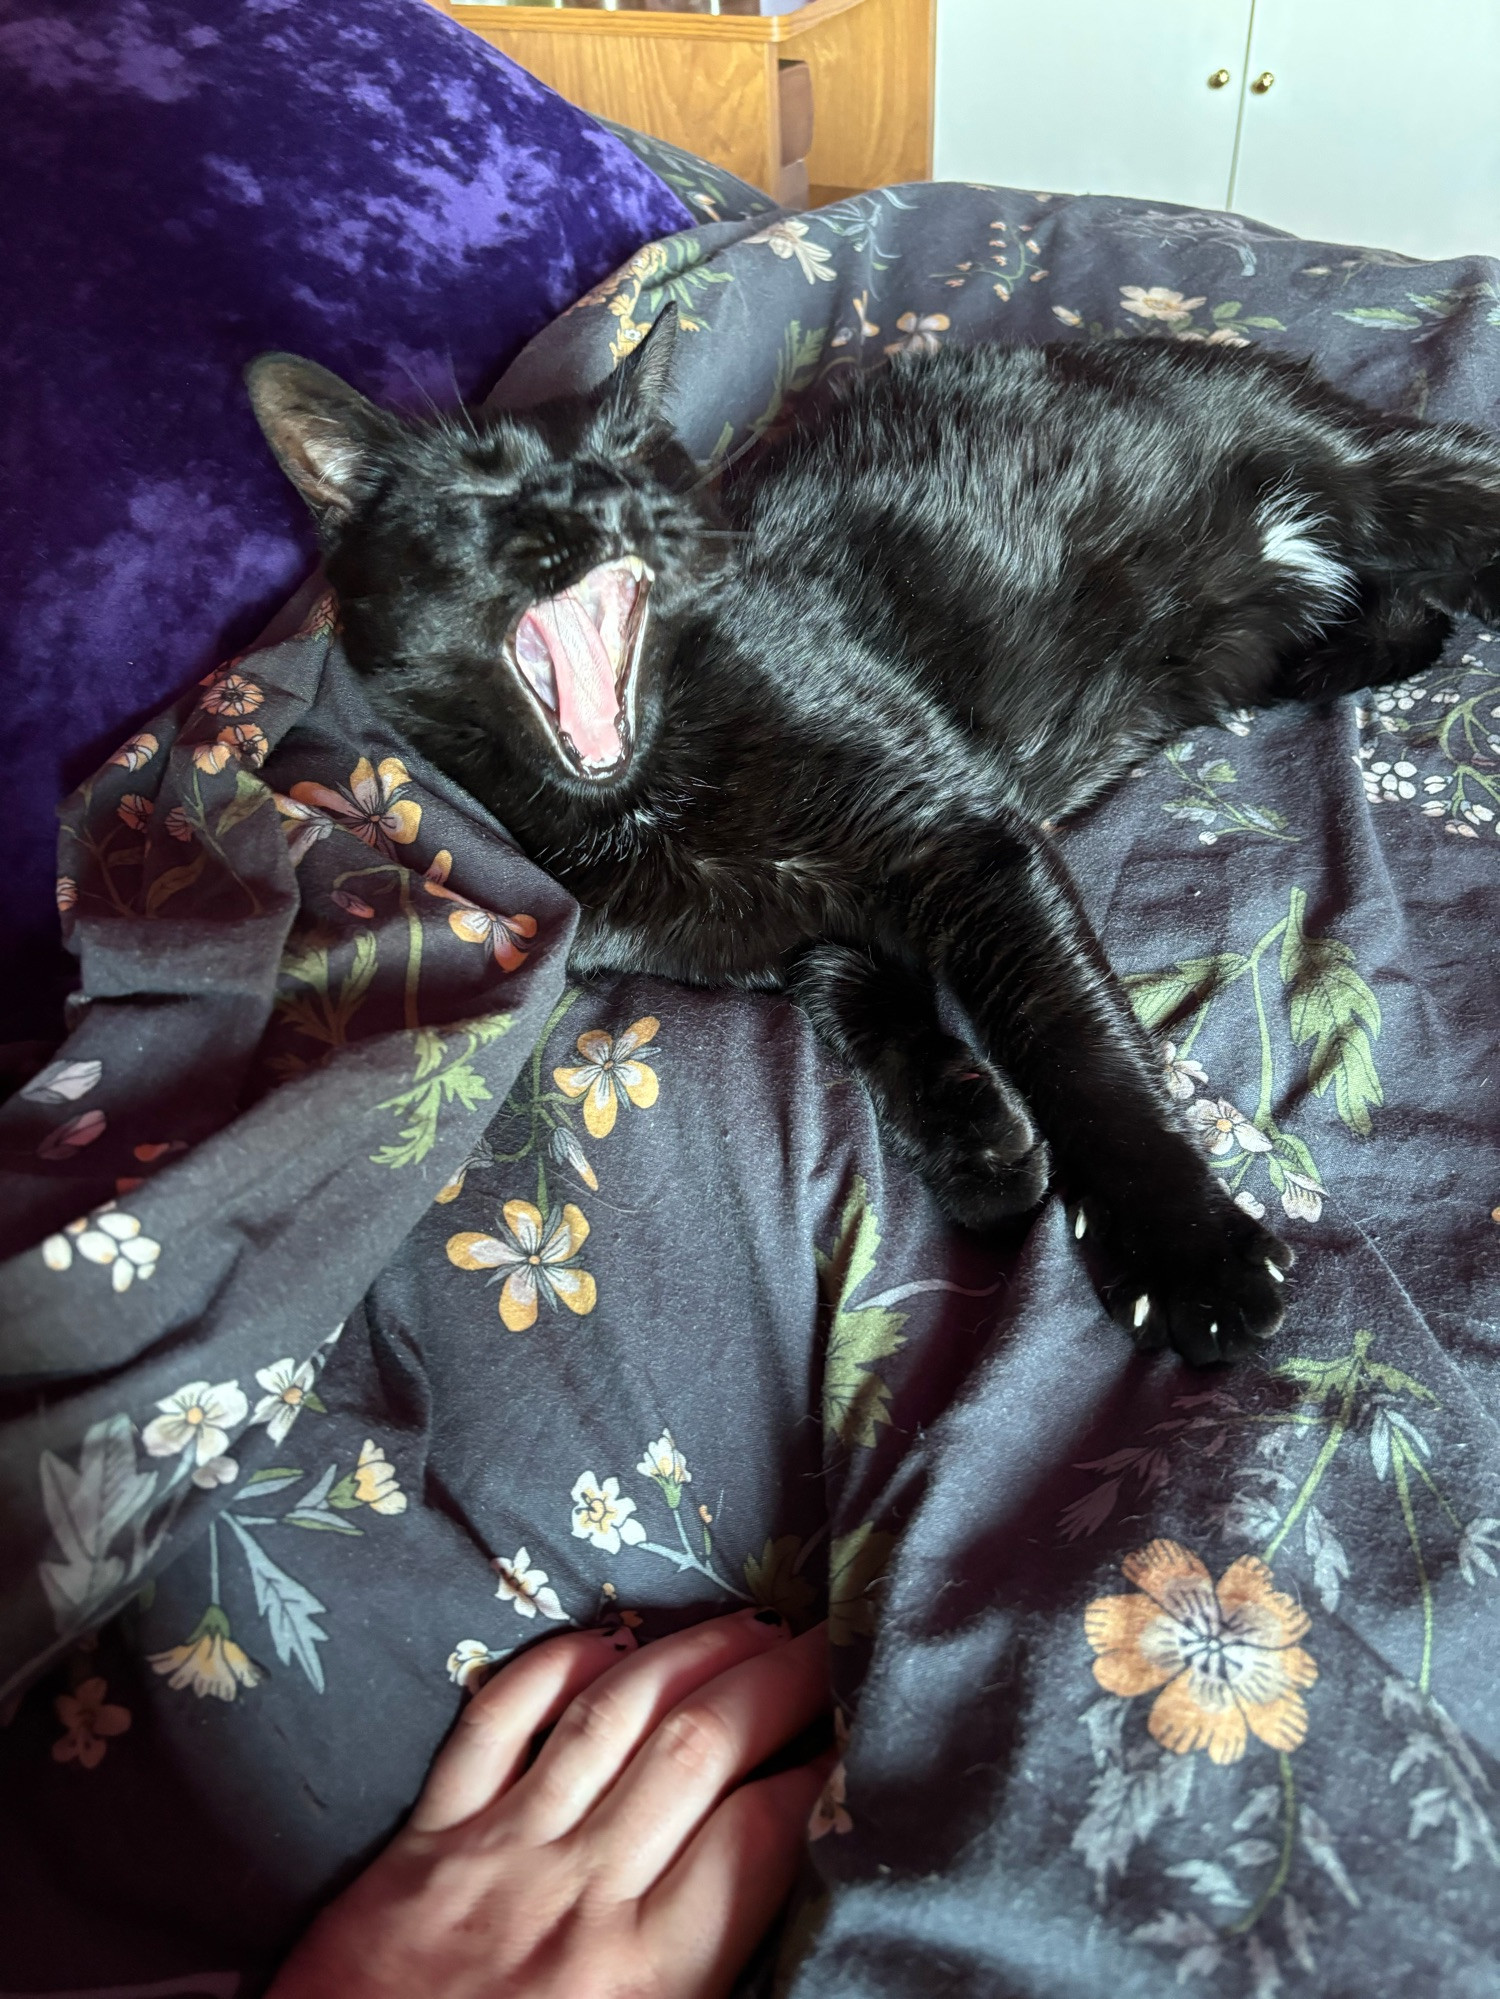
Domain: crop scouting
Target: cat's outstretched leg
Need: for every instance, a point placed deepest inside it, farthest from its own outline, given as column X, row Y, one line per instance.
column 1179, row 1263
column 947, row 1110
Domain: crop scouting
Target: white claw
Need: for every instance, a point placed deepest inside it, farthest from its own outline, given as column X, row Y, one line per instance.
column 1142, row 1307
column 1276, row 1271
column 1079, row 1225
column 1213, row 1327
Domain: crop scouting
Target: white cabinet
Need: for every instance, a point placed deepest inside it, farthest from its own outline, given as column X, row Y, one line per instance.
column 1363, row 121
column 1102, row 96
column 1381, row 127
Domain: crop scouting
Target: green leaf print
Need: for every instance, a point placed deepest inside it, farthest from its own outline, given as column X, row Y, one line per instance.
column 1379, row 315
column 855, row 1400
column 773, row 1579
column 1160, row 996
column 250, row 794
column 856, row 1562
column 1332, row 1007
column 438, row 1080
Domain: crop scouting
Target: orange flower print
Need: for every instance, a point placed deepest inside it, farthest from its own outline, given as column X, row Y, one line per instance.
column 67, row 894
column 537, row 1258
column 480, row 926
column 89, row 1720
column 136, row 752
column 607, row 1064
column 373, row 806
column 233, row 694
column 178, row 824
column 242, row 742
column 135, row 811
column 1224, row 1657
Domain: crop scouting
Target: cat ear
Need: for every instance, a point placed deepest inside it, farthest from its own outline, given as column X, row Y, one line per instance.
column 324, row 433
column 642, row 384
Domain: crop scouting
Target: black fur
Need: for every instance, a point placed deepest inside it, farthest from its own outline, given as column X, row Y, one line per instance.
column 946, row 613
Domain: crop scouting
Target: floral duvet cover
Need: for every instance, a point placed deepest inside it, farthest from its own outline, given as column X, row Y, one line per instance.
column 377, row 1300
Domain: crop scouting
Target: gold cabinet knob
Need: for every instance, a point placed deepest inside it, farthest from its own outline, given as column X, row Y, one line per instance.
column 1263, row 83
column 1218, row 80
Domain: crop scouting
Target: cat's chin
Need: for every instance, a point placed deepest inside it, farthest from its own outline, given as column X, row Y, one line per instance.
column 577, row 657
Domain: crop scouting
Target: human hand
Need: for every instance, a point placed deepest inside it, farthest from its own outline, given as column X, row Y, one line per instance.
column 630, row 1861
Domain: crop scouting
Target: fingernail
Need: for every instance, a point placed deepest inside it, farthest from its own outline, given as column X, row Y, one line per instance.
column 773, row 1617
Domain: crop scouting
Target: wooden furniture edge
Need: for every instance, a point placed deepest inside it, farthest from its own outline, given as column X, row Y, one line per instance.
column 681, row 27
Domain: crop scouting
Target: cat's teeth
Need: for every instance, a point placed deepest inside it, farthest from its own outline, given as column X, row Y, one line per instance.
column 1142, row 1307
column 1276, row 1271
column 1079, row 1225
column 1213, row 1328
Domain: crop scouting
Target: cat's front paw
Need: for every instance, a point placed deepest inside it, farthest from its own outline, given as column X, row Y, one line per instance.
column 1208, row 1280
column 983, row 1156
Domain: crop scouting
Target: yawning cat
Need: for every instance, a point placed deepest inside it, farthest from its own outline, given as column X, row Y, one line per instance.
column 811, row 735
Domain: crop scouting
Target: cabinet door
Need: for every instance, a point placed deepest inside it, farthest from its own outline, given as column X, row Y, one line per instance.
column 1381, row 127
column 1091, row 96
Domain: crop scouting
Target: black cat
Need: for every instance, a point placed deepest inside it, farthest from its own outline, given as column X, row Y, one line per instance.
column 812, row 736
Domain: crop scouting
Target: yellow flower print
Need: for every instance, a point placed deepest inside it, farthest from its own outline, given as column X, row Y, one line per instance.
column 537, row 1258
column 375, row 1481
column 919, row 333
column 373, row 806
column 210, row 1662
column 1225, row 1657
column 606, row 1062
column 88, row 1719
column 480, row 926
column 232, row 694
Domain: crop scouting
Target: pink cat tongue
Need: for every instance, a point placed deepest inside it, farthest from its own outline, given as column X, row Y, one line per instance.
column 588, row 711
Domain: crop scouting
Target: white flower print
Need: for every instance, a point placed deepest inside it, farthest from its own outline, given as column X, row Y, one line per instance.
column 525, row 1587
column 601, row 1515
column 1384, row 781
column 106, row 1236
column 1156, row 302
column 663, row 1460
column 1221, row 1127
column 469, row 1663
column 1302, row 1198
column 1246, row 1200
column 286, row 1383
column 218, row 1471
column 197, row 1418
column 1183, row 1076
column 788, row 238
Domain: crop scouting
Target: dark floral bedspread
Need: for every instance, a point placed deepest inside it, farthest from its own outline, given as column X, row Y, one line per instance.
column 377, row 1300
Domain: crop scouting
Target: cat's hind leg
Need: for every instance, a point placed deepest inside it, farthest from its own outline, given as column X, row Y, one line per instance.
column 949, row 1111
column 1179, row 1263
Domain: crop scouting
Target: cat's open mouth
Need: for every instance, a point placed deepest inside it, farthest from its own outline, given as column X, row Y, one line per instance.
column 578, row 654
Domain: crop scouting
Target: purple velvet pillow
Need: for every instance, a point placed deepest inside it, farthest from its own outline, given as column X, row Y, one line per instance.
column 184, row 183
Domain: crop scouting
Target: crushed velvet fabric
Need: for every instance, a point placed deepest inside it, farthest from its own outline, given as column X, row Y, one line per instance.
column 187, row 184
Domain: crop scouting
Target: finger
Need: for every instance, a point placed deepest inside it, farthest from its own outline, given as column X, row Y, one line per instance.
column 599, row 1733
column 705, row 1746
column 705, row 1917
column 493, row 1735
